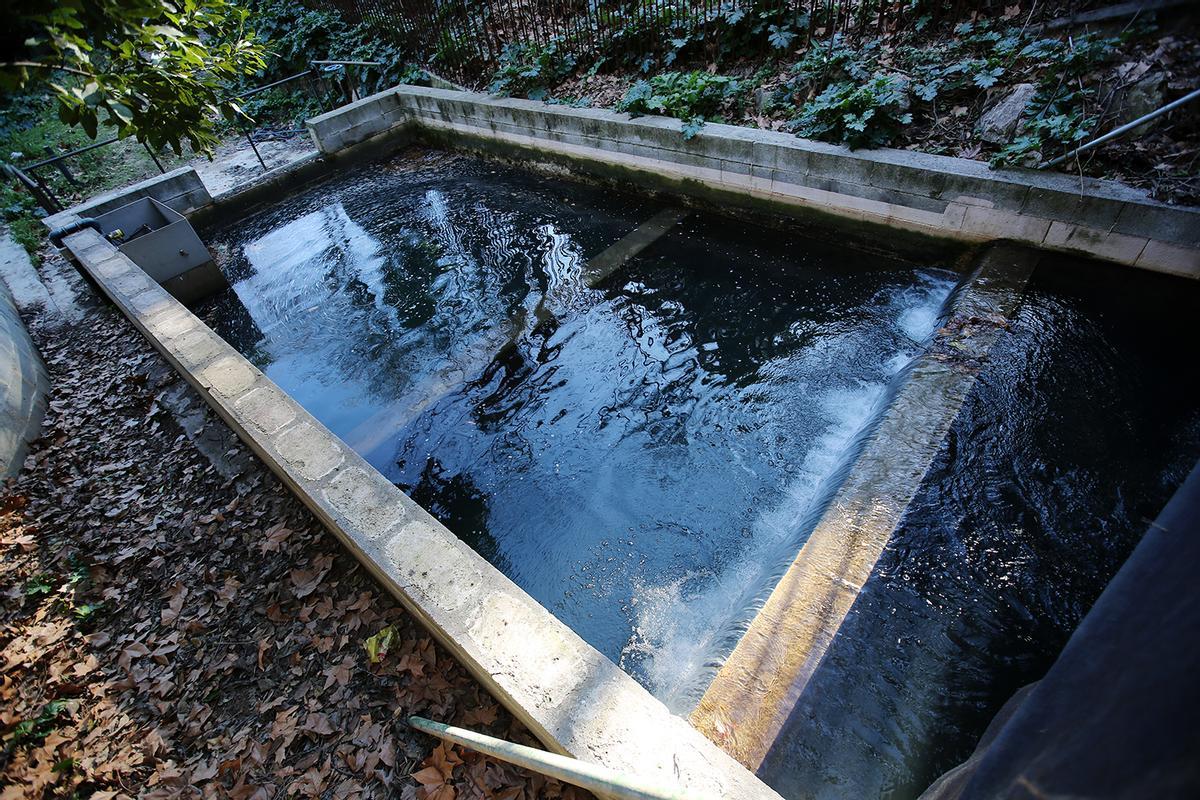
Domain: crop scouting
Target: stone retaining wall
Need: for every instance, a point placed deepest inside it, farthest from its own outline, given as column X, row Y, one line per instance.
column 181, row 189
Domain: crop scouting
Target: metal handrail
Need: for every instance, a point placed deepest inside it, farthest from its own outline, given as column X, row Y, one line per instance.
column 257, row 89
column 1124, row 129
column 28, row 171
column 352, row 63
column 56, row 159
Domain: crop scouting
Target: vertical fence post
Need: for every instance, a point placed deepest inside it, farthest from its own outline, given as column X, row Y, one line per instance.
column 253, row 147
column 154, row 157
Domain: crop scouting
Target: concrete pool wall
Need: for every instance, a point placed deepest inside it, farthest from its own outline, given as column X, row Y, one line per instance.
column 922, row 194
column 572, row 697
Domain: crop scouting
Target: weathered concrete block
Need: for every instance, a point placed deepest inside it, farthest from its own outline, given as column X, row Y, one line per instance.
column 267, row 408
column 171, row 324
column 129, row 284
column 1170, row 258
column 356, row 122
column 988, row 223
column 1168, row 224
column 200, row 347
column 366, row 500
column 1094, row 211
column 309, row 451
column 151, row 301
column 1099, row 243
column 435, row 565
column 229, row 376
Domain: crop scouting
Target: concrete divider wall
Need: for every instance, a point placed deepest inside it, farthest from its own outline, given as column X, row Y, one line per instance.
column 570, row 695
column 354, row 123
column 926, row 194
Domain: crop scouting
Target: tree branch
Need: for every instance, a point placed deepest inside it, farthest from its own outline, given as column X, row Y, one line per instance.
column 52, row 67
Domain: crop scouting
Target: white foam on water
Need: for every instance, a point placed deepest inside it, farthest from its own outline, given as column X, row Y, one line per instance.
column 683, row 626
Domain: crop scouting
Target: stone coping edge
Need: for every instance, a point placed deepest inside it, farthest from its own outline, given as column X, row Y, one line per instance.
column 574, row 699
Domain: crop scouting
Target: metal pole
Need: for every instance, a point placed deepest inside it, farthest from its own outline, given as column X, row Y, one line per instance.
column 44, row 187
column 352, row 63
column 83, row 149
column 157, row 163
column 62, row 168
column 258, row 155
column 279, row 82
column 41, row 193
column 601, row 781
column 1126, row 128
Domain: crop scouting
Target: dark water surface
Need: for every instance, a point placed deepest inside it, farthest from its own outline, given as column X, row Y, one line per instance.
column 1078, row 431
column 640, row 453
column 644, row 449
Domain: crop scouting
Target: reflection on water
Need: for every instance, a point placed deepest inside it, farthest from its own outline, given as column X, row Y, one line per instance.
column 643, row 449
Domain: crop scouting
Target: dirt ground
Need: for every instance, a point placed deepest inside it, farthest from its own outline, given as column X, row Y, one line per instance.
column 177, row 624
column 234, row 161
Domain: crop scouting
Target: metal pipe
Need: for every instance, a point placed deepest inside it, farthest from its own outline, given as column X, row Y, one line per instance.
column 57, row 234
column 1126, row 128
column 601, row 781
column 279, row 82
column 352, row 63
column 83, row 149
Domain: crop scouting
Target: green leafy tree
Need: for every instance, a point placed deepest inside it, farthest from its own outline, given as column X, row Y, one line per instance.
column 152, row 69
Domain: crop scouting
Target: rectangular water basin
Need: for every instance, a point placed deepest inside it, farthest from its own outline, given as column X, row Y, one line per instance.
column 639, row 412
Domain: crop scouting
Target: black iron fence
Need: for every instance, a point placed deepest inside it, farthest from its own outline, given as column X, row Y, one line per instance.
column 463, row 38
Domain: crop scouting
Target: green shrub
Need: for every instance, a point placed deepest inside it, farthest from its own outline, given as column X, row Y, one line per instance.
column 1063, row 112
column 296, row 34
column 529, row 70
column 692, row 97
column 22, row 218
column 867, row 114
column 1061, row 123
column 659, row 37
